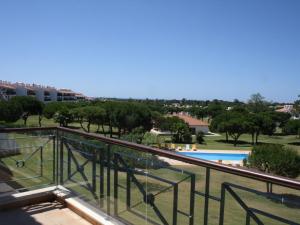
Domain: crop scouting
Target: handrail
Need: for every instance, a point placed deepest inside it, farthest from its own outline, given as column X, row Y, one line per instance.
column 24, row 129
column 283, row 181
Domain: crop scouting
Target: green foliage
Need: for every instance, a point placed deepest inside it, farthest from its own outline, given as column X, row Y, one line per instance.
column 275, row 159
column 10, row 111
column 181, row 132
column 198, row 112
column 200, row 137
column 179, row 129
column 63, row 116
column 52, row 108
column 292, row 127
column 137, row 135
column 29, row 105
column 232, row 123
column 257, row 103
column 89, row 115
column 126, row 116
column 280, row 118
column 214, row 109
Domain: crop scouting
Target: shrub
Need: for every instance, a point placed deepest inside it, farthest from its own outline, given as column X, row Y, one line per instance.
column 275, row 159
column 200, row 137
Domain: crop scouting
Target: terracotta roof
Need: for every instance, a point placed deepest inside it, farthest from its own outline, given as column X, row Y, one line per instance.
column 7, row 86
column 191, row 120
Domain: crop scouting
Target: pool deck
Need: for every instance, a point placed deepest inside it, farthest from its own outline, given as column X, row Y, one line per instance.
column 217, row 151
column 227, row 162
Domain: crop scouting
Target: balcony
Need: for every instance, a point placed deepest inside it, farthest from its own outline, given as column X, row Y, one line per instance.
column 67, row 173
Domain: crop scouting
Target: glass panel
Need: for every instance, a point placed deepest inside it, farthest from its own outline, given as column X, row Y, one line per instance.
column 26, row 161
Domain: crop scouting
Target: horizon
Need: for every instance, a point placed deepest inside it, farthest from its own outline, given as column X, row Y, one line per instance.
column 156, row 50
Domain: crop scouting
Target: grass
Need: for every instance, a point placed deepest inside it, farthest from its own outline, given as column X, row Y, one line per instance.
column 211, row 142
column 234, row 215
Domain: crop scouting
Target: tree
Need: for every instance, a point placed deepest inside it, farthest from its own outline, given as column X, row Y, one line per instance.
column 200, row 137
column 214, row 109
column 280, row 118
column 257, row 103
column 218, row 124
column 30, row 106
column 236, row 126
column 10, row 111
column 89, row 115
column 198, row 112
column 52, row 108
column 126, row 116
column 276, row 159
column 253, row 126
column 181, row 133
column 260, row 123
column 63, row 116
column 179, row 129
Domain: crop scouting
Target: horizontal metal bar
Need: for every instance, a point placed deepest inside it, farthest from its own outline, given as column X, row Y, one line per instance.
column 24, row 178
column 210, row 196
column 17, row 138
column 184, row 213
column 82, row 142
column 142, row 173
column 25, row 129
column 33, row 187
column 18, row 148
column 286, row 182
column 121, row 186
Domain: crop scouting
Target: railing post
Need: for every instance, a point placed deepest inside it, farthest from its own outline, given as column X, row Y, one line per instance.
column 128, row 190
column 108, row 180
column 94, row 171
column 248, row 219
column 116, row 184
column 207, row 184
column 42, row 162
column 101, row 178
column 54, row 158
column 57, row 156
column 192, row 199
column 69, row 163
column 175, row 204
column 61, row 161
column 222, row 205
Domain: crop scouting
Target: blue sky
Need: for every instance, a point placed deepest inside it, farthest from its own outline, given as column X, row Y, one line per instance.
column 198, row 49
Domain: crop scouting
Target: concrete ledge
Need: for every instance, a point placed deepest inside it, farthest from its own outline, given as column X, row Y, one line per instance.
column 62, row 195
column 27, row 198
column 83, row 209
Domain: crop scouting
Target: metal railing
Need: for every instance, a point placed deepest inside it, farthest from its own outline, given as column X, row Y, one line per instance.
column 136, row 184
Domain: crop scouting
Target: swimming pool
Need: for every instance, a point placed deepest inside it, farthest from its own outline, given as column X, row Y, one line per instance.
column 215, row 156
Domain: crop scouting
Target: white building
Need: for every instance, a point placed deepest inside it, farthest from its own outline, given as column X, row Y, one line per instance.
column 42, row 93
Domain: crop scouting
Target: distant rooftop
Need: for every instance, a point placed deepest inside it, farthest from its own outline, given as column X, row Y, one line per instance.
column 191, row 120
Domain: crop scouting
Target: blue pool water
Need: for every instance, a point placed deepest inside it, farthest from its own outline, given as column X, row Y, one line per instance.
column 215, row 156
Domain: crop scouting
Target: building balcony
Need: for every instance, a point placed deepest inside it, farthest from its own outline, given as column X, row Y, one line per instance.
column 50, row 174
